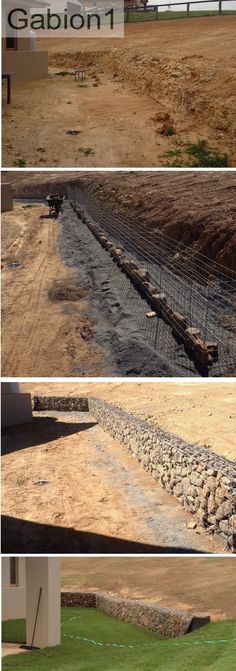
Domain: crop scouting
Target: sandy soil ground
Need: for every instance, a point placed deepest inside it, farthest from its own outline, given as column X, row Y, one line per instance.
column 65, row 472
column 179, row 71
column 91, row 309
column 117, row 133
column 176, row 203
column 202, row 585
column 200, row 412
column 40, row 333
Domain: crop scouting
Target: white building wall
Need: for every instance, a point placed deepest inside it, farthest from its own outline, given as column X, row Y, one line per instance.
column 43, row 618
column 15, row 407
column 13, row 596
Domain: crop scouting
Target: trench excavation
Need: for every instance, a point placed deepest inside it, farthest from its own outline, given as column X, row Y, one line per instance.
column 159, row 310
column 123, row 331
column 192, row 319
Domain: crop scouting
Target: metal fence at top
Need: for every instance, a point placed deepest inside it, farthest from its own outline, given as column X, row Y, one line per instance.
column 195, row 286
column 173, row 10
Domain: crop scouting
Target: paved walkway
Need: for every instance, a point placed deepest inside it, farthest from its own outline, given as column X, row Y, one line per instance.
column 11, row 649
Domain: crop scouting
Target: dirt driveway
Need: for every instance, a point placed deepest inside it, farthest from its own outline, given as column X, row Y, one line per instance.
column 38, row 332
column 68, row 487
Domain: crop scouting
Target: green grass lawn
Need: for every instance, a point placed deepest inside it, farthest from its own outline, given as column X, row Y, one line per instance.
column 149, row 651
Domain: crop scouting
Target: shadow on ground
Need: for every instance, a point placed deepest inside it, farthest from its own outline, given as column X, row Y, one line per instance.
column 47, row 216
column 41, row 430
column 20, row 537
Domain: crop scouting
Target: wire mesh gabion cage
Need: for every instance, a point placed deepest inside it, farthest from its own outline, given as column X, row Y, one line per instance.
column 194, row 285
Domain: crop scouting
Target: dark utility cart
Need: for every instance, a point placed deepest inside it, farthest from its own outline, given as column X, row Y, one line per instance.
column 54, row 202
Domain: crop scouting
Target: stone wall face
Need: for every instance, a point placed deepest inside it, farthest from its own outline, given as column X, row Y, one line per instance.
column 168, row 622
column 61, row 403
column 202, row 481
column 75, row 599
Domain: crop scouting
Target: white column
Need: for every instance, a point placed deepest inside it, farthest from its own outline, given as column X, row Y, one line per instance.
column 43, row 572
column 16, row 407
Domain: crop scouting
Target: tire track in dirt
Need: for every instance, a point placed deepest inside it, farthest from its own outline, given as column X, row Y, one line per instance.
column 28, row 322
column 27, row 334
column 44, row 333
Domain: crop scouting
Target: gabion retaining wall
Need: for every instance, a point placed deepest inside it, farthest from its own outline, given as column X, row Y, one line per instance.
column 202, row 481
column 60, row 403
column 166, row 621
column 73, row 599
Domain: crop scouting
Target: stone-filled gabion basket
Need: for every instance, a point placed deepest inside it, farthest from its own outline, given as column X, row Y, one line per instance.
column 204, row 483
column 168, row 622
column 61, row 403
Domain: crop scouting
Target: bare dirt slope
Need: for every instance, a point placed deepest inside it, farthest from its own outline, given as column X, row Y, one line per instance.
column 204, row 585
column 182, row 65
column 197, row 209
column 37, row 329
column 203, row 413
column 177, row 72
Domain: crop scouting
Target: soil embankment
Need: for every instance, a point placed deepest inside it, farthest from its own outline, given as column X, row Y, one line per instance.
column 178, row 204
column 173, row 63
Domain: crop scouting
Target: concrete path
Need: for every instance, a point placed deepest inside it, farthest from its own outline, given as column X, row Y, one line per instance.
column 11, row 649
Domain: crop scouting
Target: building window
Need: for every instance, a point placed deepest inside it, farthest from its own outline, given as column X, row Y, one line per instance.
column 13, row 571
column 11, row 43
column 11, row 40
